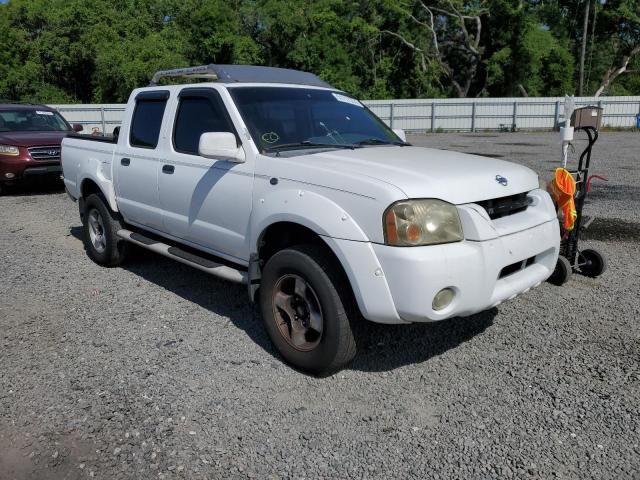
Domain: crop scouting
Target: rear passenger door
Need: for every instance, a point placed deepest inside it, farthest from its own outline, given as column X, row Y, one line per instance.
column 205, row 201
column 136, row 162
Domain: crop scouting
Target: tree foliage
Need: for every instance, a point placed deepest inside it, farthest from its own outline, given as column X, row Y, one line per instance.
column 60, row 51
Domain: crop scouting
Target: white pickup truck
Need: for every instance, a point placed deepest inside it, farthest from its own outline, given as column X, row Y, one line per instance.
column 272, row 178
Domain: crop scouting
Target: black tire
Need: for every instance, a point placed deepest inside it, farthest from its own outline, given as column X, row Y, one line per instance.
column 114, row 249
column 562, row 272
column 335, row 347
column 595, row 264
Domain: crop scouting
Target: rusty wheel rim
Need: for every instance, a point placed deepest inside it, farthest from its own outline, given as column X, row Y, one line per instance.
column 297, row 312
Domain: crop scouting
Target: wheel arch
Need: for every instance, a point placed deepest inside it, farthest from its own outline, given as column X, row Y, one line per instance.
column 90, row 185
column 282, row 234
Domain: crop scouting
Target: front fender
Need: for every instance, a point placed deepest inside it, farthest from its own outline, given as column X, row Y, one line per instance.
column 342, row 235
column 309, row 209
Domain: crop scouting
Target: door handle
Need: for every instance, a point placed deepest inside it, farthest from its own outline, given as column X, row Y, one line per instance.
column 125, row 161
column 168, row 169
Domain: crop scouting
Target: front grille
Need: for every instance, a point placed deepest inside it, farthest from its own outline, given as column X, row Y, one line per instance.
column 49, row 153
column 501, row 207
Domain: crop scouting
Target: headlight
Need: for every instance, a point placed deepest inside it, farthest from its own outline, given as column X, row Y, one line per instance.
column 9, row 150
column 421, row 222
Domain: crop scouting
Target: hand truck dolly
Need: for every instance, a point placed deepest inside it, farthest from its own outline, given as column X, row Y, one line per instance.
column 589, row 262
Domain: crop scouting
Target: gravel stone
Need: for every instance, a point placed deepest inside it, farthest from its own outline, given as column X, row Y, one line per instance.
column 116, row 368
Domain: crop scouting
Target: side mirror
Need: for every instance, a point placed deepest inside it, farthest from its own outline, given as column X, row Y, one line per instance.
column 76, row 127
column 221, row 146
column 400, row 133
column 116, row 134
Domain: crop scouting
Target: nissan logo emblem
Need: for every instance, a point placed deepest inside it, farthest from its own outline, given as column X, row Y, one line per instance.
column 501, row 180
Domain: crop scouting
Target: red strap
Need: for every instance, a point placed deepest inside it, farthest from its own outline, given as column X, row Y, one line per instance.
column 591, row 178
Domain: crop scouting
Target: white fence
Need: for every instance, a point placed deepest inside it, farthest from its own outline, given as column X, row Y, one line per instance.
column 434, row 115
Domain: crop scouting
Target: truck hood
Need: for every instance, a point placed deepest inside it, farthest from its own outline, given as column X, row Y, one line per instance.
column 31, row 139
column 430, row 173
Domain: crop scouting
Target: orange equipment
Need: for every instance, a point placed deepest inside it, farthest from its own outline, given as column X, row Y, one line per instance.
column 563, row 190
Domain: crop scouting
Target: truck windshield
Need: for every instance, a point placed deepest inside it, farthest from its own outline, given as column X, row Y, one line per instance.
column 281, row 118
column 27, row 120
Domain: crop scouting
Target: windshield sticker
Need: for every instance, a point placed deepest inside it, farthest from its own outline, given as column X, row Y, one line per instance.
column 41, row 112
column 270, row 137
column 345, row 99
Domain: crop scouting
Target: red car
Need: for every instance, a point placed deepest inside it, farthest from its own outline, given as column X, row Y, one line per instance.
column 30, row 137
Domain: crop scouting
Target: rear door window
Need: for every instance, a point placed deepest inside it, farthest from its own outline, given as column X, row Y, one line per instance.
column 147, row 120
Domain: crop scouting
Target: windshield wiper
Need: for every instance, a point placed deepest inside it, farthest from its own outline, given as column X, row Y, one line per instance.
column 301, row 145
column 377, row 141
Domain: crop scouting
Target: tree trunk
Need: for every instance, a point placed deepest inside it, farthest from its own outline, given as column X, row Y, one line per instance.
column 584, row 46
column 614, row 72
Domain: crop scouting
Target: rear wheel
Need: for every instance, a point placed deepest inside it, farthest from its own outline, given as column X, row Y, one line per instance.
column 594, row 263
column 100, row 227
column 562, row 272
column 306, row 306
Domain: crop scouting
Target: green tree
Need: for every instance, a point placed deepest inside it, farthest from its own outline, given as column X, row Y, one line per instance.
column 74, row 51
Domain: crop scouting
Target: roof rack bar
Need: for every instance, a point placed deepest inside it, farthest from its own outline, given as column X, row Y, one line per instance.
column 201, row 71
column 244, row 74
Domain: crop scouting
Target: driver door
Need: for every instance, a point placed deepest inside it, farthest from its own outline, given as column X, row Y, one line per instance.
column 205, row 201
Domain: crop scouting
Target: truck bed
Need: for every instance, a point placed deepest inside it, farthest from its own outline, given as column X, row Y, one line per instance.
column 88, row 153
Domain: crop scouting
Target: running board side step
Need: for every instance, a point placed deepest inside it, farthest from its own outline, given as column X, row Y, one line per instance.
column 188, row 258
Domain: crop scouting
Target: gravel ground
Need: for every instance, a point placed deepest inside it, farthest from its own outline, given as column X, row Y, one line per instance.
column 155, row 370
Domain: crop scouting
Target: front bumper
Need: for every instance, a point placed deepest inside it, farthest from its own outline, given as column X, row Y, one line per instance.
column 42, row 170
column 475, row 271
column 14, row 169
column 398, row 284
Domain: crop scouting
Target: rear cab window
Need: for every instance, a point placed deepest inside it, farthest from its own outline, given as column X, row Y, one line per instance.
column 147, row 118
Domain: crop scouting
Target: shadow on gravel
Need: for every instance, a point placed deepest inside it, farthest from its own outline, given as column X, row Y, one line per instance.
column 34, row 187
column 76, row 232
column 387, row 347
column 612, row 191
column 490, row 155
column 226, row 299
column 613, row 229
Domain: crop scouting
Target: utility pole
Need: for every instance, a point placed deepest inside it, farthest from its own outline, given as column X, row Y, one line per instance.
column 584, row 45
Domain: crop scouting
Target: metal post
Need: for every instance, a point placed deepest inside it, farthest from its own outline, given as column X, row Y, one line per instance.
column 391, row 115
column 600, row 106
column 514, row 120
column 433, row 117
column 473, row 117
column 104, row 127
column 556, row 115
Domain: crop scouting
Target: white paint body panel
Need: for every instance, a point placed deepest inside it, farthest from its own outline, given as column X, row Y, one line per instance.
column 223, row 208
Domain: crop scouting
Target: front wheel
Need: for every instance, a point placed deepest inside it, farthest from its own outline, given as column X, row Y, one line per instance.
column 100, row 227
column 306, row 306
